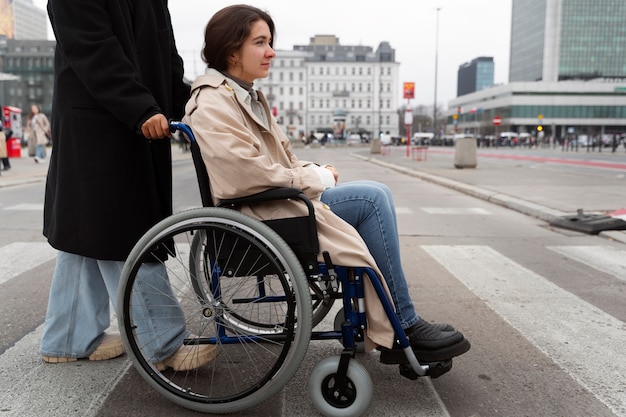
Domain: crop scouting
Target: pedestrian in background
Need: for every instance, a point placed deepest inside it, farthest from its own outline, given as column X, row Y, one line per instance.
column 40, row 131
column 4, row 155
column 118, row 79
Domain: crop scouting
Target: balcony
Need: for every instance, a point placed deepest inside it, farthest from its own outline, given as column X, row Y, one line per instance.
column 341, row 93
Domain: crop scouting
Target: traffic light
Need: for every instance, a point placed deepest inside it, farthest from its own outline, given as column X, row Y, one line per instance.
column 539, row 128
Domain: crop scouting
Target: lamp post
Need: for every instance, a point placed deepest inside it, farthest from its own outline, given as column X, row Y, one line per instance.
column 436, row 64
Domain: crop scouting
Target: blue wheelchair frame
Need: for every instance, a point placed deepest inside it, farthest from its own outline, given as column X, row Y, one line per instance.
column 351, row 281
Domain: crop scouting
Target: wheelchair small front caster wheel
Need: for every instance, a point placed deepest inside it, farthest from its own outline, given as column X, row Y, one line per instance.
column 352, row 400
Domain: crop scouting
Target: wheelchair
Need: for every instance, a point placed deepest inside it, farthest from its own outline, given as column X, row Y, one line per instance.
column 256, row 291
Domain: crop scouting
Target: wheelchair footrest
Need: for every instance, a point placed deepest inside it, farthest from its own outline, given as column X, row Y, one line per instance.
column 435, row 369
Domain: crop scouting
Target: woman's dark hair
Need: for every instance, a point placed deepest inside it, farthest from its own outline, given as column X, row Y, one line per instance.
column 227, row 30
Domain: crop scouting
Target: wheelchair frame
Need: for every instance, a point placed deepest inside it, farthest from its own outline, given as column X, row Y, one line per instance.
column 258, row 312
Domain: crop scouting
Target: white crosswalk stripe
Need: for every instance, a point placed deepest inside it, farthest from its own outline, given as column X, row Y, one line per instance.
column 19, row 257
column 564, row 327
column 603, row 258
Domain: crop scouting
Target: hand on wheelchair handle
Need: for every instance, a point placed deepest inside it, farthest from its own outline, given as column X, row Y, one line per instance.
column 156, row 127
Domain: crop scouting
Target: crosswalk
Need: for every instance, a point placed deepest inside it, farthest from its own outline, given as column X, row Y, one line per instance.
column 561, row 325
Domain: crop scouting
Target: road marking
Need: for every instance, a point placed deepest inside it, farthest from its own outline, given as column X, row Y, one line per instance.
column 25, row 207
column 455, row 210
column 19, row 257
column 583, row 340
column 603, row 258
column 403, row 210
column 30, row 388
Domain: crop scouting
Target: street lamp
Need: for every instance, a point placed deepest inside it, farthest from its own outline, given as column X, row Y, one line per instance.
column 436, row 64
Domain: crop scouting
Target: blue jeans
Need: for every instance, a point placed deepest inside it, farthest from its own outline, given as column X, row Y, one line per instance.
column 78, row 308
column 368, row 206
column 40, row 151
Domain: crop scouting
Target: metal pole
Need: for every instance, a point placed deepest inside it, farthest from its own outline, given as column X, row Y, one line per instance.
column 436, row 64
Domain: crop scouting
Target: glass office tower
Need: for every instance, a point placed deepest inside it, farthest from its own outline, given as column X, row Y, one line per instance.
column 556, row 40
column 475, row 76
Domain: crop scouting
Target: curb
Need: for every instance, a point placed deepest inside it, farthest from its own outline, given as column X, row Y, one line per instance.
column 513, row 203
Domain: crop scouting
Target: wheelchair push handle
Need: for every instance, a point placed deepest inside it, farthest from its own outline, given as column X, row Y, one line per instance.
column 175, row 125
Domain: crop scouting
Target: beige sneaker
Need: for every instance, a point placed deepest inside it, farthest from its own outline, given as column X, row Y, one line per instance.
column 189, row 357
column 110, row 347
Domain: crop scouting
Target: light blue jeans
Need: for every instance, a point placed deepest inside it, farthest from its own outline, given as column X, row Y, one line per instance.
column 368, row 206
column 78, row 308
column 40, row 151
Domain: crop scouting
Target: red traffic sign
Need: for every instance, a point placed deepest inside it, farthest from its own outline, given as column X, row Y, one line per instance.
column 497, row 121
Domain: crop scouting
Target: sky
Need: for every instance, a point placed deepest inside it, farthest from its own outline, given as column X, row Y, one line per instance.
column 467, row 29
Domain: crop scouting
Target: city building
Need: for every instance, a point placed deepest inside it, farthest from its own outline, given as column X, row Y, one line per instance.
column 32, row 62
column 26, row 56
column 475, row 75
column 23, row 20
column 332, row 88
column 556, row 40
column 567, row 75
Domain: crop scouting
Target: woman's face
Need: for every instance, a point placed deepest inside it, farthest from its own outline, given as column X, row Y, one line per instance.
column 34, row 109
column 252, row 60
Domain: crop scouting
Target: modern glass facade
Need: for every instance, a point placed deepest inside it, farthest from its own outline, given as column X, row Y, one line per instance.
column 475, row 76
column 527, row 40
column 593, row 39
column 556, row 40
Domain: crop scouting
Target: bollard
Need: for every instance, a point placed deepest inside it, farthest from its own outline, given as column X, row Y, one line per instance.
column 465, row 153
column 375, row 146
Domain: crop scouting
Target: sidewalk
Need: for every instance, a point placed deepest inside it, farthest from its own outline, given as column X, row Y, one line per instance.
column 23, row 170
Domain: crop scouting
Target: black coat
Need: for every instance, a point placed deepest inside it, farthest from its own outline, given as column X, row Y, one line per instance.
column 116, row 64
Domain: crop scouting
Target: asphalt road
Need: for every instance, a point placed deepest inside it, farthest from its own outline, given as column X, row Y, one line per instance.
column 543, row 306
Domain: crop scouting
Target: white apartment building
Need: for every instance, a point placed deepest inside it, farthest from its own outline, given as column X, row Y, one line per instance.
column 333, row 88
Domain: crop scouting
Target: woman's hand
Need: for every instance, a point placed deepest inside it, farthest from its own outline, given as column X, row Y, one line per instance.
column 334, row 171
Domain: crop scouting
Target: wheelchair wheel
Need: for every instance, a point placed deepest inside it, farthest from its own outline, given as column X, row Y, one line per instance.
column 230, row 282
column 353, row 400
column 320, row 307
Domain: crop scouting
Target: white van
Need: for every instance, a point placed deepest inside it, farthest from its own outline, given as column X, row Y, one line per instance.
column 422, row 138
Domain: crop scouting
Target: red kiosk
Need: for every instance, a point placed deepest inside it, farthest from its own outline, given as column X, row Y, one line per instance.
column 12, row 119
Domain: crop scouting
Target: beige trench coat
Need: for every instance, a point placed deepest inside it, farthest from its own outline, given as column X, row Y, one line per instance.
column 41, row 129
column 3, row 145
column 243, row 157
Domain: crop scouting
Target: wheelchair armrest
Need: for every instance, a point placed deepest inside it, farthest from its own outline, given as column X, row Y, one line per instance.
column 282, row 193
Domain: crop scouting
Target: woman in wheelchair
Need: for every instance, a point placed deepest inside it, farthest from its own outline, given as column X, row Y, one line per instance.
column 246, row 152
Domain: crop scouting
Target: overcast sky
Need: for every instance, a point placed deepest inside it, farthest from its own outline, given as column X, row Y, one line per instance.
column 467, row 29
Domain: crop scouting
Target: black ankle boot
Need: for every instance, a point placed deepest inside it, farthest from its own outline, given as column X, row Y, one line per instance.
column 444, row 327
column 429, row 343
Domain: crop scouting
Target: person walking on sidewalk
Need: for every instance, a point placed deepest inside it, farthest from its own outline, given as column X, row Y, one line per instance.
column 40, row 130
column 118, row 79
column 4, row 154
